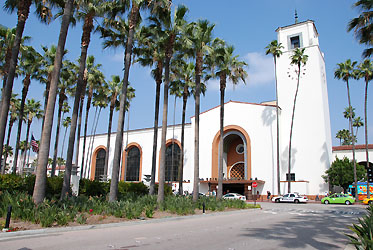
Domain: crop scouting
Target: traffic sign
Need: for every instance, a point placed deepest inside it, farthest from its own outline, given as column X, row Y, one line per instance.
column 255, row 184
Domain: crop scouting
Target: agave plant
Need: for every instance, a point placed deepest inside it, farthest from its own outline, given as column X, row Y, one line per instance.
column 363, row 233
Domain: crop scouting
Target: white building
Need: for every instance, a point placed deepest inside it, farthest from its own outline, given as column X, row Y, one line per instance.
column 250, row 134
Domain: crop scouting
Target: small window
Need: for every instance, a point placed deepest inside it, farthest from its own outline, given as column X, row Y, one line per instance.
column 295, row 42
column 292, row 195
column 240, row 149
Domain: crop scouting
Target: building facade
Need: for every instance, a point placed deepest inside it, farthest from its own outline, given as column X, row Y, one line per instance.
column 250, row 135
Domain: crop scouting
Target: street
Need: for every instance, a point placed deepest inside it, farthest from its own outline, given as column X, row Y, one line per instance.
column 275, row 226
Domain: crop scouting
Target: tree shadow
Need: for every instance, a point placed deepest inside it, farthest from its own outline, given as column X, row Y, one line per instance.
column 304, row 231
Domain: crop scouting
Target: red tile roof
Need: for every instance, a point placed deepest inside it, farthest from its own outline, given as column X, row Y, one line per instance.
column 349, row 147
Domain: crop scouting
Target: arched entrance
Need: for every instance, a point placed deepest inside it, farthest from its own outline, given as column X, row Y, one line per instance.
column 236, row 150
column 236, row 160
column 131, row 171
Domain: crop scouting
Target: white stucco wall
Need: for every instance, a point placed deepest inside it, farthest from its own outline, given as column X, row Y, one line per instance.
column 311, row 139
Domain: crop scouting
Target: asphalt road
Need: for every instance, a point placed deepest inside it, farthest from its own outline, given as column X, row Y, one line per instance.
column 275, row 226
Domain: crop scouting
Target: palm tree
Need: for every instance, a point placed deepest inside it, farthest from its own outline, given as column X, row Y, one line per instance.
column 100, row 102
column 7, row 151
column 344, row 135
column 87, row 11
column 184, row 72
column 225, row 65
column 14, row 115
column 299, row 59
column 274, row 48
column 40, row 182
column 199, row 35
column 133, row 22
column 65, row 85
column 114, row 87
column 345, row 71
column 362, row 25
column 94, row 78
column 365, row 70
column 150, row 50
column 357, row 123
column 29, row 65
column 23, row 146
column 7, row 38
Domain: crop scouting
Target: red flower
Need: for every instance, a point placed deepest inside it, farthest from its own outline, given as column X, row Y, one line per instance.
column 91, row 210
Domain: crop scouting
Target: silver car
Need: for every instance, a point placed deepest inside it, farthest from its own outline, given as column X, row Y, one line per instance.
column 234, row 196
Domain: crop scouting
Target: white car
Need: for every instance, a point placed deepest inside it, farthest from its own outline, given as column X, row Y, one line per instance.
column 290, row 197
column 234, row 196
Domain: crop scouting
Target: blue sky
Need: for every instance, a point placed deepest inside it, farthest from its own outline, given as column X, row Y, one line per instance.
column 247, row 25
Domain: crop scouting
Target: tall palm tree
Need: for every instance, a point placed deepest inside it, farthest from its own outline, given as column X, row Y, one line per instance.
column 40, row 182
column 184, row 72
column 365, row 70
column 33, row 110
column 87, row 11
column 14, row 115
column 150, row 50
column 173, row 27
column 345, row 71
column 29, row 65
column 199, row 35
column 299, row 59
column 341, row 135
column 133, row 23
column 23, row 146
column 94, row 78
column 362, row 25
column 65, row 86
column 7, row 151
column 100, row 102
column 114, row 87
column 274, row 48
column 225, row 66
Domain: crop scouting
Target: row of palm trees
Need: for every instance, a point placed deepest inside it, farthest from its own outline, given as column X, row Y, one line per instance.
column 167, row 41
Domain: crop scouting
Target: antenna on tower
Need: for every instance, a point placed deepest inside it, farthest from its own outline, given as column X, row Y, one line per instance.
column 296, row 16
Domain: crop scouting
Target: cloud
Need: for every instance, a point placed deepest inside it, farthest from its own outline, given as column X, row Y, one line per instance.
column 261, row 68
column 117, row 57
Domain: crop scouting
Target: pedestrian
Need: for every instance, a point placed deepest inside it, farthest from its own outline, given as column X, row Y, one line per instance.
column 268, row 195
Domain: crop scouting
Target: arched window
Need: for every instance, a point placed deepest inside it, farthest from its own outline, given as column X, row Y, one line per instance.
column 172, row 162
column 100, row 164
column 133, row 164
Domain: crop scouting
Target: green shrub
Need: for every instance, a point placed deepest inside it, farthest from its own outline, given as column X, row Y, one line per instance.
column 82, row 218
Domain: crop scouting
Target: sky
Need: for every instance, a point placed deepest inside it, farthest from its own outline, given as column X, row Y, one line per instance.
column 247, row 25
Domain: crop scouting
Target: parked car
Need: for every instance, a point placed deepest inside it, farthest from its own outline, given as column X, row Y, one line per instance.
column 338, row 199
column 368, row 201
column 290, row 197
column 234, row 196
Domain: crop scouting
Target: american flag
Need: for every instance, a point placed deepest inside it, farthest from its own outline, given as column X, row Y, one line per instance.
column 34, row 144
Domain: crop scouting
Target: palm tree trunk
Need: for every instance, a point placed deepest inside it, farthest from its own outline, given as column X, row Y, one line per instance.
column 123, row 99
column 86, row 36
column 7, row 143
column 291, row 129
column 93, row 139
column 221, row 142
column 196, row 126
column 23, row 12
column 108, row 139
column 155, row 130
column 61, row 99
column 78, row 135
column 47, row 88
column 88, row 167
column 26, row 84
column 277, row 135
column 40, row 182
column 366, row 135
column 63, row 141
column 162, row 163
column 173, row 144
column 181, row 163
column 27, row 135
column 88, row 106
column 353, row 138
